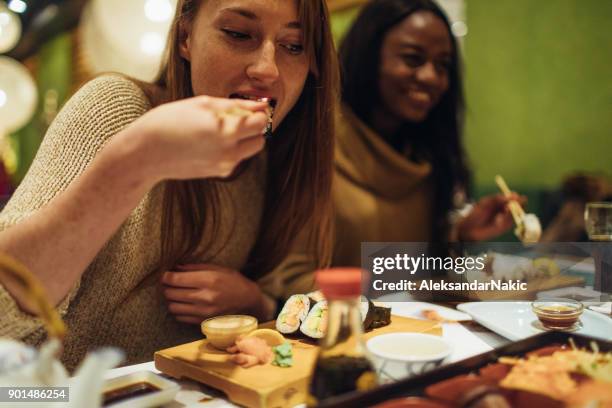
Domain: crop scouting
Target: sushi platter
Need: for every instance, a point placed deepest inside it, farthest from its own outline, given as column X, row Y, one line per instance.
column 533, row 386
column 263, row 385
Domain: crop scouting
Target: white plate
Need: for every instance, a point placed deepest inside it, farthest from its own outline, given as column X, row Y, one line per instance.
column 415, row 310
column 516, row 321
column 605, row 308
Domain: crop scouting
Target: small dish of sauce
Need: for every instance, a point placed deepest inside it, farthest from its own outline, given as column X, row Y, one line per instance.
column 222, row 331
column 139, row 389
column 129, row 391
column 558, row 314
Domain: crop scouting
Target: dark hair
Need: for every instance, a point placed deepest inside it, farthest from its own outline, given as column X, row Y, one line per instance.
column 438, row 137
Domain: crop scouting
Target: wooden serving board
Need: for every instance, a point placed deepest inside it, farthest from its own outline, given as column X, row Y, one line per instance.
column 264, row 386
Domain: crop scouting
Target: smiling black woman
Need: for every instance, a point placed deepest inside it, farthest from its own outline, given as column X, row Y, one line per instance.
column 400, row 166
column 400, row 163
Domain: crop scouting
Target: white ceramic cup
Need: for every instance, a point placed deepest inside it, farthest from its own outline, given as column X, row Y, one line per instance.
column 401, row 355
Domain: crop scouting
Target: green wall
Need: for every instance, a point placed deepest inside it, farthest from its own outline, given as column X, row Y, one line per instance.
column 53, row 73
column 539, row 89
column 342, row 21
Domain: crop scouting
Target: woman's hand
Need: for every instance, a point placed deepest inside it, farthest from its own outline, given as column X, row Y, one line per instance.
column 199, row 137
column 197, row 292
column 489, row 218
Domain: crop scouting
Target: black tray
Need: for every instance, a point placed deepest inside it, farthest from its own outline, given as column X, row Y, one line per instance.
column 415, row 386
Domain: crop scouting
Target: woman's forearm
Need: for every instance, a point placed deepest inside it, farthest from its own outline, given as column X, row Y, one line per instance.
column 61, row 239
column 180, row 140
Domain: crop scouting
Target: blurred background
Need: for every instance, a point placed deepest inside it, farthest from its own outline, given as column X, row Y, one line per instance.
column 538, row 83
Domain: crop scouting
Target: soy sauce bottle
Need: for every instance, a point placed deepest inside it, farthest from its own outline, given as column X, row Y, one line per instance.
column 342, row 364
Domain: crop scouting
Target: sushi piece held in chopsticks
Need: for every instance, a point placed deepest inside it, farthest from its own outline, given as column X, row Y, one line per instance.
column 270, row 111
column 531, row 229
column 293, row 314
column 315, row 324
column 528, row 228
column 271, row 107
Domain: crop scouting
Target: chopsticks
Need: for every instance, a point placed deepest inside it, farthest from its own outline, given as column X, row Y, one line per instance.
column 18, row 273
column 528, row 227
column 515, row 208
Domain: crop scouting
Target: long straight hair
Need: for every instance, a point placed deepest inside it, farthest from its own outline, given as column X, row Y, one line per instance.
column 438, row 137
column 300, row 157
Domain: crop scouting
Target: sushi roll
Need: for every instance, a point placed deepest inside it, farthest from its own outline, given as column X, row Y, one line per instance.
column 271, row 107
column 315, row 324
column 243, row 112
column 382, row 317
column 372, row 315
column 292, row 314
column 315, row 296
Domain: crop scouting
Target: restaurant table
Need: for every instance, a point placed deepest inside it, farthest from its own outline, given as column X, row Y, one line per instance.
column 468, row 339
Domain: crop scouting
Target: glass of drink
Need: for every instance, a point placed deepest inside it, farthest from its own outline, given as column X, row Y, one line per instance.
column 598, row 221
column 598, row 224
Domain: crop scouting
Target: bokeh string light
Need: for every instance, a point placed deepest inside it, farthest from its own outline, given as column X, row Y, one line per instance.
column 10, row 29
column 18, row 97
column 130, row 41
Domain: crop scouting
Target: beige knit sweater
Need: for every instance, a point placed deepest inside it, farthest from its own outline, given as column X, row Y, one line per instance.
column 379, row 194
column 118, row 300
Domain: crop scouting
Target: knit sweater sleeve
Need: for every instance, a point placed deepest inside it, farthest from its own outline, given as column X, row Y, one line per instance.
column 99, row 110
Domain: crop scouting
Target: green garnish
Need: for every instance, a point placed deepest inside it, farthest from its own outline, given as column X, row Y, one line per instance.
column 283, row 355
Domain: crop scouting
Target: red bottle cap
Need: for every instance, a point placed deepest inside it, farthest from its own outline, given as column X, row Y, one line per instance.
column 338, row 283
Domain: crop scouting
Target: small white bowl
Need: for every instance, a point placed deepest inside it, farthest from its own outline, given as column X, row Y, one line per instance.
column 401, row 355
column 409, row 347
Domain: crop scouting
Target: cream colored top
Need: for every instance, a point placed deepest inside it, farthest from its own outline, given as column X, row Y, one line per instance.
column 118, row 300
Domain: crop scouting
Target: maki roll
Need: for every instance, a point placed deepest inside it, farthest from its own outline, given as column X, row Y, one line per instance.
column 382, row 317
column 242, row 112
column 315, row 296
column 292, row 314
column 373, row 316
column 315, row 324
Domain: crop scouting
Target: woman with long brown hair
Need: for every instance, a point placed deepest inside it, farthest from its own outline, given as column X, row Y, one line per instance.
column 174, row 182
